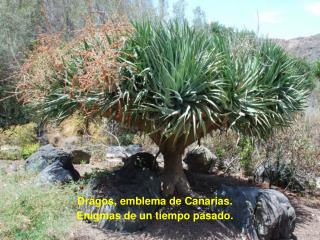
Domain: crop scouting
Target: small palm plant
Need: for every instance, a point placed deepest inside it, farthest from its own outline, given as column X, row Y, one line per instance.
column 176, row 84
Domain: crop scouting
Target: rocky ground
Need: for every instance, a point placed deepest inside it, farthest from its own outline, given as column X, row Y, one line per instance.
column 307, row 210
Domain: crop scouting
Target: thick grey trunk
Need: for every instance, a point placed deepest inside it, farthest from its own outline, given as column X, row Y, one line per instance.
column 174, row 180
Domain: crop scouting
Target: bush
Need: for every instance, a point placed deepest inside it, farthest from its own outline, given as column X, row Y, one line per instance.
column 226, row 148
column 316, row 69
column 126, row 138
column 30, row 212
column 11, row 112
column 246, row 150
column 220, row 152
column 29, row 149
column 21, row 136
column 295, row 155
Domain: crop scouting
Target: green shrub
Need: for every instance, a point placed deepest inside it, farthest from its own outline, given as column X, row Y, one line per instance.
column 126, row 138
column 316, row 69
column 22, row 136
column 29, row 149
column 19, row 135
column 246, row 150
column 220, row 153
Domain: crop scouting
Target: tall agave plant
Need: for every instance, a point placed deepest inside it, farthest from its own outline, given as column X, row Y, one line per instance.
column 179, row 83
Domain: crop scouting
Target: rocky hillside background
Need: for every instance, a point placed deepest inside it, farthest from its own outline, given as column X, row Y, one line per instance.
column 304, row 47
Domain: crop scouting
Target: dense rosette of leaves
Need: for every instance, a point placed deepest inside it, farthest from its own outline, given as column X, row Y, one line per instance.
column 183, row 82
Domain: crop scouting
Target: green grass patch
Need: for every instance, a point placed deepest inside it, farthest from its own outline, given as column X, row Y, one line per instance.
column 26, row 151
column 32, row 212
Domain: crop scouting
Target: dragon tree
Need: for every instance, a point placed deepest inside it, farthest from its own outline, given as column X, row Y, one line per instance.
column 170, row 81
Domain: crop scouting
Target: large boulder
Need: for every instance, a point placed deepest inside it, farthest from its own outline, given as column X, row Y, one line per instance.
column 113, row 151
column 261, row 214
column 200, row 159
column 56, row 173
column 45, row 156
column 274, row 216
column 131, row 181
column 141, row 160
column 54, row 165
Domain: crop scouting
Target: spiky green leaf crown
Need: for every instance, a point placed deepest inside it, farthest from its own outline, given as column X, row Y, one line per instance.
column 183, row 79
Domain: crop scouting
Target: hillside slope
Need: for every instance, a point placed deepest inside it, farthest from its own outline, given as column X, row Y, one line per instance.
column 305, row 47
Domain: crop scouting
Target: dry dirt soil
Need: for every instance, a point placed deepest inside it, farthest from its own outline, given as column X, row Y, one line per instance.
column 307, row 210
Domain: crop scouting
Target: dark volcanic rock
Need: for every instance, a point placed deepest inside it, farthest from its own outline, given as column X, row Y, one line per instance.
column 141, row 160
column 129, row 182
column 274, row 216
column 45, row 156
column 56, row 173
column 54, row 165
column 200, row 159
column 262, row 214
